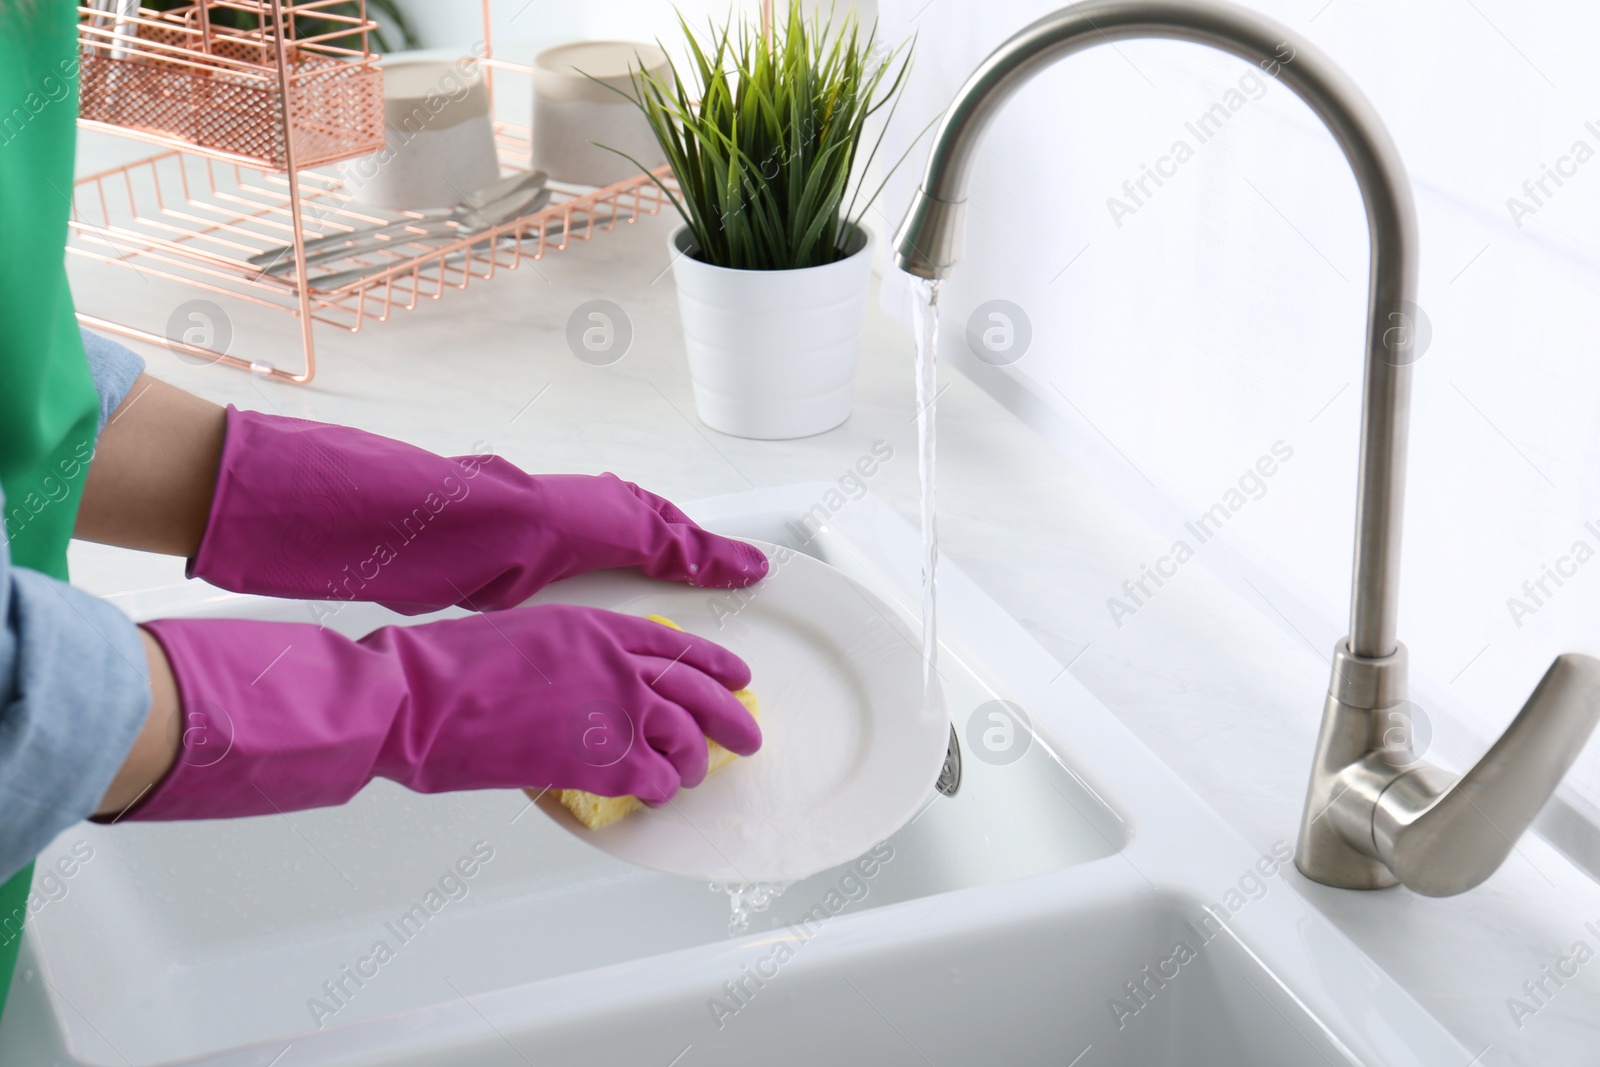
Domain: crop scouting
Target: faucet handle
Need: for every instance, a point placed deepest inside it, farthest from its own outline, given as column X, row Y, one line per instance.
column 1442, row 836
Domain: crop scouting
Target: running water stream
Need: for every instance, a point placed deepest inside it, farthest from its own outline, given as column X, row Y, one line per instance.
column 925, row 328
column 747, row 899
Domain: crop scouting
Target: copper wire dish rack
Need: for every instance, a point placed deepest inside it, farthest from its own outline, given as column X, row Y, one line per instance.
column 197, row 212
column 179, row 76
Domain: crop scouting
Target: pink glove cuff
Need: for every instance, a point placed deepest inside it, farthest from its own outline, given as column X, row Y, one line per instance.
column 259, row 732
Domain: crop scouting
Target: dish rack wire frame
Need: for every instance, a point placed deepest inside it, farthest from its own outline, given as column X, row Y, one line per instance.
column 175, row 76
column 196, row 214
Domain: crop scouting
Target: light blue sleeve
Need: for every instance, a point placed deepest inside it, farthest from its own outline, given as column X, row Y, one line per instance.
column 113, row 368
column 74, row 692
column 74, row 686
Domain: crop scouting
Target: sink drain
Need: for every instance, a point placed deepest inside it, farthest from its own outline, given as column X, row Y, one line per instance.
column 950, row 774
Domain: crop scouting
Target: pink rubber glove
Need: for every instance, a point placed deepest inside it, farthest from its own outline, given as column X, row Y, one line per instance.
column 286, row 716
column 317, row 512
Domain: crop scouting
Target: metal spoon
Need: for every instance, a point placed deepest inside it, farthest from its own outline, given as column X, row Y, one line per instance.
column 551, row 230
column 497, row 214
column 280, row 260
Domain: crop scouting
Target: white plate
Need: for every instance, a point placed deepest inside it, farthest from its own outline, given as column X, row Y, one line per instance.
column 851, row 747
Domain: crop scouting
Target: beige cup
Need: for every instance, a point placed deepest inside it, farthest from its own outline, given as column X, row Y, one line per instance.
column 573, row 115
column 438, row 137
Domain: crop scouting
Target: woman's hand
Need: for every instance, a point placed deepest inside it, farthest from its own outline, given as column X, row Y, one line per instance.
column 285, row 716
column 313, row 511
column 291, row 508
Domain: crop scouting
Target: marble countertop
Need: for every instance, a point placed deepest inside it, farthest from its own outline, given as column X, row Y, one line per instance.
column 1204, row 677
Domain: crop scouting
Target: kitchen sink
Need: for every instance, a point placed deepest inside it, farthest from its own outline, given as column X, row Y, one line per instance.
column 1074, row 905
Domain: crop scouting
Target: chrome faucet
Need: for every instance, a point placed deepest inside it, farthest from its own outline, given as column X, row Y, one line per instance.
column 1375, row 814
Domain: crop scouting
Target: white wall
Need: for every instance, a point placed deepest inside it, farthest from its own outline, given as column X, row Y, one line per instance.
column 1226, row 314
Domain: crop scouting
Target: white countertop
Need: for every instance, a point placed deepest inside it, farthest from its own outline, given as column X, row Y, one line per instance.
column 1227, row 697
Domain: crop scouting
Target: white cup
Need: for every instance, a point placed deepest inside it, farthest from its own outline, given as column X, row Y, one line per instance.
column 438, row 137
column 573, row 115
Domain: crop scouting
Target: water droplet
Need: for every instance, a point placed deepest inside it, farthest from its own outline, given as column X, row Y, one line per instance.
column 747, row 898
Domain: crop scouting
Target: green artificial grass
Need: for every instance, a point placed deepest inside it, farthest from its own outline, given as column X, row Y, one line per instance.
column 765, row 135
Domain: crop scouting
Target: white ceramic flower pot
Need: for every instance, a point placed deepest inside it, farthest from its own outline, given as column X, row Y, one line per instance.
column 772, row 353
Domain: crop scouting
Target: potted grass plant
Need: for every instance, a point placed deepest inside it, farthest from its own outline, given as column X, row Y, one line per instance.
column 772, row 263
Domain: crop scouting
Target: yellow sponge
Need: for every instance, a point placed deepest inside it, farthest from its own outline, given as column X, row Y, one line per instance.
column 595, row 811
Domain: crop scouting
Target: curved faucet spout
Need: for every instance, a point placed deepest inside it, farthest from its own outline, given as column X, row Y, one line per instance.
column 1370, row 820
column 930, row 238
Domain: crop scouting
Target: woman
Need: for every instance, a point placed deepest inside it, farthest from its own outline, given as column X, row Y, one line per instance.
column 188, row 719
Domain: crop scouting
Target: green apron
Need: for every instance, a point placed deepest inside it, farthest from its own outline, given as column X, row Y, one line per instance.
column 48, row 406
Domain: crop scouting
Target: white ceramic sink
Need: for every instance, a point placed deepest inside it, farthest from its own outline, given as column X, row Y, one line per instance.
column 1011, row 924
